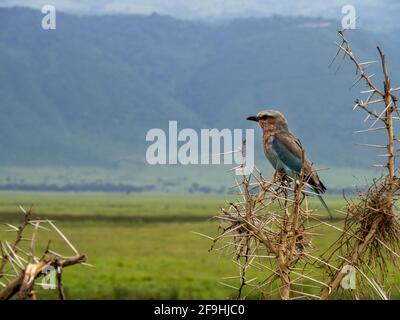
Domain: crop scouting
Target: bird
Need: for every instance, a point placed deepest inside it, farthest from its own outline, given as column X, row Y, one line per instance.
column 285, row 152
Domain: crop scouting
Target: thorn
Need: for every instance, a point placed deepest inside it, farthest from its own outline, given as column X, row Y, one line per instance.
column 370, row 129
column 372, row 145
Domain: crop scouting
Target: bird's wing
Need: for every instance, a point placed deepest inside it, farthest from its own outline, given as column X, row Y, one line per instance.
column 289, row 150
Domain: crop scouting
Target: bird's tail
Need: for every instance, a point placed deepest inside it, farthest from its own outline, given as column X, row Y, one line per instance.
column 325, row 205
column 319, row 188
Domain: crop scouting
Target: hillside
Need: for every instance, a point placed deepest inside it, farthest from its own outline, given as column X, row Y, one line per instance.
column 85, row 94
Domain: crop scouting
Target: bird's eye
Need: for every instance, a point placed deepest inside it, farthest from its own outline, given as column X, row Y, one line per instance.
column 264, row 117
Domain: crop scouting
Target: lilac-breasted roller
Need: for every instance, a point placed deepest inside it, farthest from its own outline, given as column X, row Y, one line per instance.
column 284, row 151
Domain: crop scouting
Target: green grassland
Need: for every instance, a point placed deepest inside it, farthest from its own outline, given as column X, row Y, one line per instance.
column 142, row 247
column 96, row 206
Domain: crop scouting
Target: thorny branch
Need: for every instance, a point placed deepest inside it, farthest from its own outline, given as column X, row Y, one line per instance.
column 371, row 230
column 269, row 229
column 21, row 267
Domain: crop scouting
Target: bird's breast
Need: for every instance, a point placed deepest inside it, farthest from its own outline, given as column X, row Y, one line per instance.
column 269, row 150
column 268, row 138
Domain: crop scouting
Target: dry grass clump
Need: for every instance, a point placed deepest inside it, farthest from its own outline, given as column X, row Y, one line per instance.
column 374, row 209
column 370, row 238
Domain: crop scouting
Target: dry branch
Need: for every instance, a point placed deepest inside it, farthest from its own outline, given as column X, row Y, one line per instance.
column 371, row 231
column 269, row 229
column 24, row 267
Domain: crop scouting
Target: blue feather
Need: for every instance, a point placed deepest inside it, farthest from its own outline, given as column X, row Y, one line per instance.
column 286, row 157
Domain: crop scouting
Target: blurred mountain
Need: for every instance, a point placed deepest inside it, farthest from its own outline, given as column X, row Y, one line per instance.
column 373, row 15
column 87, row 92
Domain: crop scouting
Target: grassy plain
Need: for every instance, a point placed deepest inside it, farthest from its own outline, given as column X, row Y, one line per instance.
column 142, row 247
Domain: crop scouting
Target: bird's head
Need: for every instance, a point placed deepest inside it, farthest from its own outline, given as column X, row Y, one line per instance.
column 270, row 120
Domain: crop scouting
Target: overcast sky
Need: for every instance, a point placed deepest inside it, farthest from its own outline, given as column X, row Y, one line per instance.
column 374, row 11
column 203, row 8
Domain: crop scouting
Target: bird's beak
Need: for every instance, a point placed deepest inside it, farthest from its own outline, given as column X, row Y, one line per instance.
column 253, row 118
